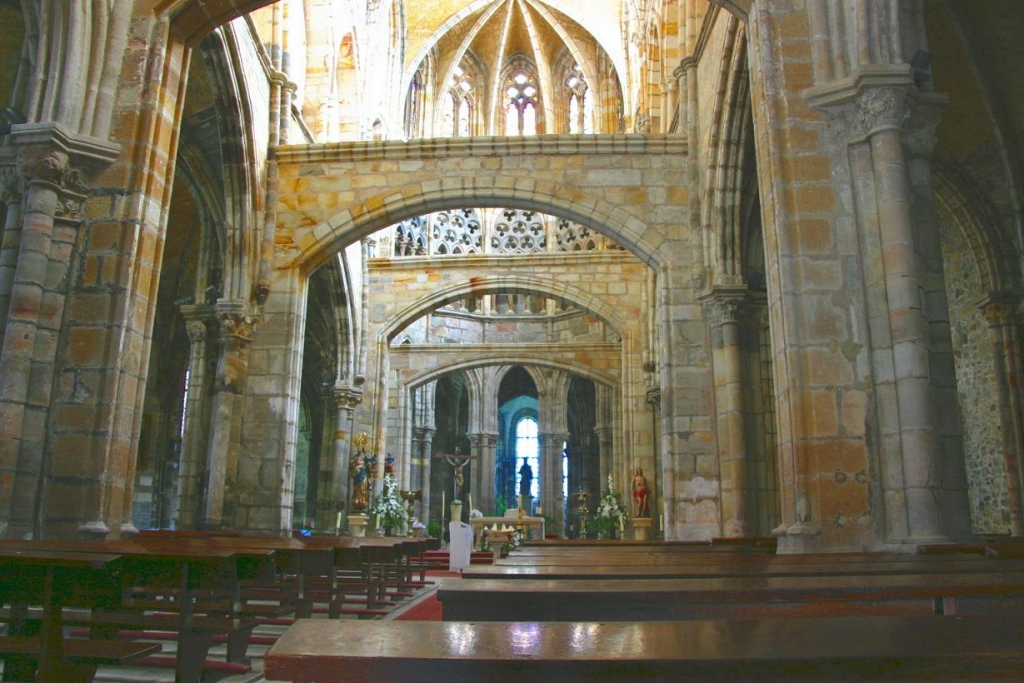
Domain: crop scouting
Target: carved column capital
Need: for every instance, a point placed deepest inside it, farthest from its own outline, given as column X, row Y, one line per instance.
column 654, row 398
column 347, row 397
column 51, row 156
column 882, row 108
column 237, row 325
column 723, row 304
column 196, row 330
column 197, row 321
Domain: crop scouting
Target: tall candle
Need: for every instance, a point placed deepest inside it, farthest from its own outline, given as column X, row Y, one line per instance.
column 337, row 524
column 442, row 506
column 469, row 499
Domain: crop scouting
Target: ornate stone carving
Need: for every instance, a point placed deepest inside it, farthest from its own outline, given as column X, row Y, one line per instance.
column 348, row 397
column 720, row 311
column 654, row 398
column 53, row 169
column 884, row 107
column 12, row 185
column 237, row 325
column 196, row 330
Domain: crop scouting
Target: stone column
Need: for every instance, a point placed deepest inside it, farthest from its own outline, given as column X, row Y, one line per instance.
column 51, row 168
column 919, row 141
column 876, row 118
column 551, row 477
column 722, row 309
column 346, row 398
column 191, row 485
column 1005, row 330
column 31, row 327
column 236, row 332
column 12, row 189
column 422, row 438
column 484, row 445
column 605, row 442
column 917, row 494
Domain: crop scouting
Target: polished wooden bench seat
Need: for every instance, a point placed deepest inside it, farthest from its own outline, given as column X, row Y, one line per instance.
column 80, row 656
column 829, row 649
column 718, row 597
column 37, row 586
column 161, row 588
column 769, row 566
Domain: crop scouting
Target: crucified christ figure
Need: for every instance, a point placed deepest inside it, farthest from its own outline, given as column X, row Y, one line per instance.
column 458, row 461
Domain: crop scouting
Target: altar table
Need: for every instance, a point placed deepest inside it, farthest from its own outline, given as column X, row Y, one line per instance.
column 529, row 523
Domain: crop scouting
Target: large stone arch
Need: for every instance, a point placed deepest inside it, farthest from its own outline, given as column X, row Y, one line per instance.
column 321, row 211
column 570, row 367
column 519, row 284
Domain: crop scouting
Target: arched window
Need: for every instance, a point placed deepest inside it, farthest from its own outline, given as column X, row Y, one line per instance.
column 528, row 447
column 448, row 115
column 581, row 107
column 521, row 110
column 464, row 118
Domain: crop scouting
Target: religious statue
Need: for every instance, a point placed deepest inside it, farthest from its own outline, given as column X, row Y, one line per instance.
column 525, row 479
column 389, row 465
column 640, row 506
column 360, row 483
column 361, row 467
column 458, row 461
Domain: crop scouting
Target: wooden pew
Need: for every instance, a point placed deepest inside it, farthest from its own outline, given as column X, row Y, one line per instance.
column 362, row 568
column 281, row 590
column 714, row 566
column 828, row 649
column 36, row 585
column 728, row 597
column 191, row 588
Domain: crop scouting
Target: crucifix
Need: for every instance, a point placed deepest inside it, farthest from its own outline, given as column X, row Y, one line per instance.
column 457, row 460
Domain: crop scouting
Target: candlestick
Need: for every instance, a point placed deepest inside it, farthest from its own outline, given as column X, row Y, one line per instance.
column 337, row 524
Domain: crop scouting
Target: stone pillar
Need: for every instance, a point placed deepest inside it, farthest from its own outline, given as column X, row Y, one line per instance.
column 654, row 489
column 52, row 165
column 919, row 141
column 346, row 398
column 422, row 438
column 605, row 442
column 191, row 484
column 236, row 332
column 484, row 461
column 914, row 491
column 722, row 309
column 12, row 189
column 877, row 118
column 1005, row 330
column 551, row 500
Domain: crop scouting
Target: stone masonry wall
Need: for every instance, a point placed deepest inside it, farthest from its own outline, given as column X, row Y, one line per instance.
column 979, row 395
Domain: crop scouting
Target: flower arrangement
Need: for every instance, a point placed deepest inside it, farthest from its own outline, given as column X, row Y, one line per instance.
column 387, row 507
column 611, row 513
